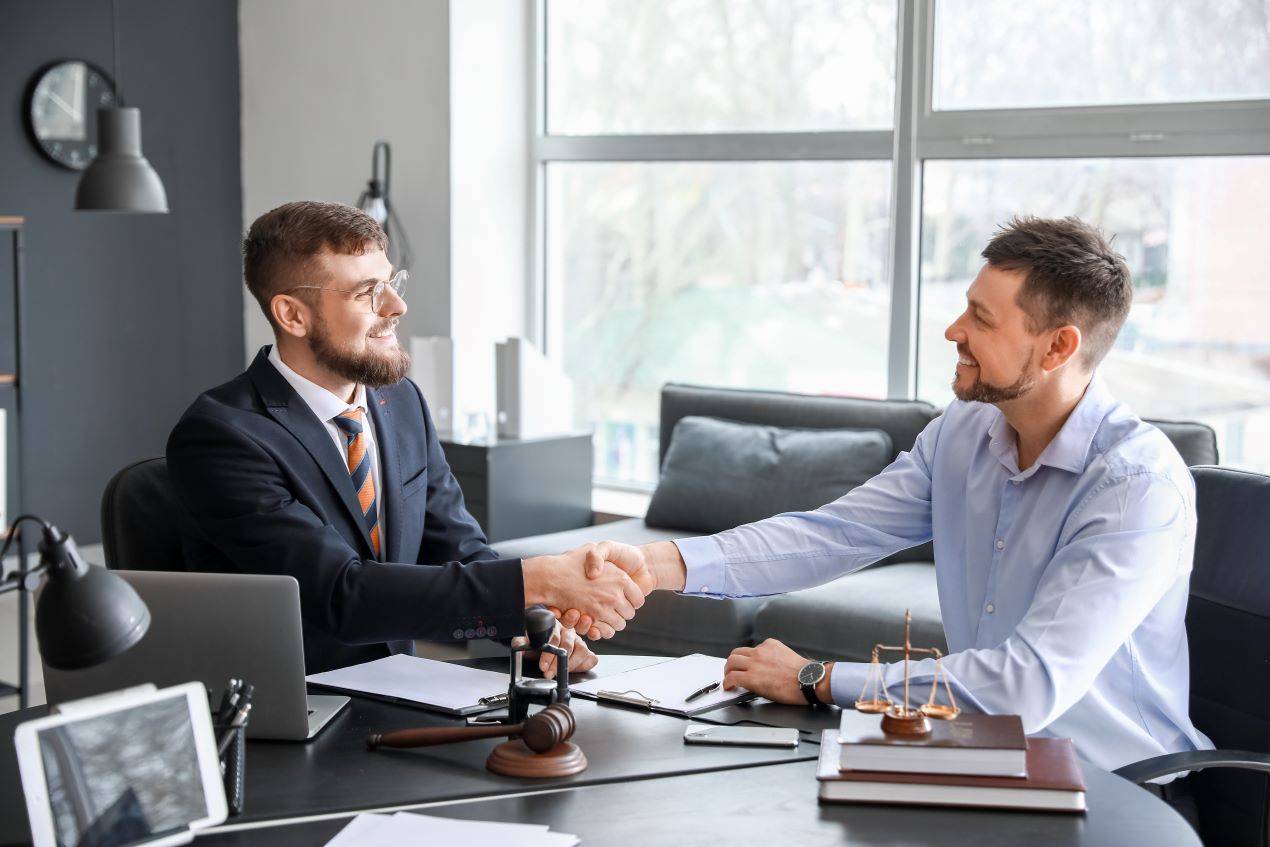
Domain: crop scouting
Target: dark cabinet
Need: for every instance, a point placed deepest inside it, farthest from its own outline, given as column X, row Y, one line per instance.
column 516, row 487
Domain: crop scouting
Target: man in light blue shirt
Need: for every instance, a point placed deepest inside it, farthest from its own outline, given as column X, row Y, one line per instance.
column 1064, row 526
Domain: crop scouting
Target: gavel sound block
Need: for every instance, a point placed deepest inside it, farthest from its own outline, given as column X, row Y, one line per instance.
column 544, row 749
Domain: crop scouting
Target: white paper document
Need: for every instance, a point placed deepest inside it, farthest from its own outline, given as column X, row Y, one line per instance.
column 666, row 686
column 442, row 686
column 368, row 830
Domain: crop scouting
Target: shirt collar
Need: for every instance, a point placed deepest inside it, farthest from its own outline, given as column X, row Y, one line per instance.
column 1069, row 450
column 323, row 403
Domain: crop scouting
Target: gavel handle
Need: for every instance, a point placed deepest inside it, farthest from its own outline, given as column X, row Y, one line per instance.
column 432, row 736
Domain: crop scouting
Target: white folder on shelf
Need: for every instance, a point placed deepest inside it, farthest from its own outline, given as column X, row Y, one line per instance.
column 666, row 686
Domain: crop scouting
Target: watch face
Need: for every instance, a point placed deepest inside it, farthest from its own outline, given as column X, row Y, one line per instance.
column 63, row 111
column 811, row 673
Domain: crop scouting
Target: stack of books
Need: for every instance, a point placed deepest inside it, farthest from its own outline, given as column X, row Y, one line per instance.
column 976, row 760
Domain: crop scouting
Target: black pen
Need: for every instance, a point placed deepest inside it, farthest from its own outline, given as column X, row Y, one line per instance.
column 701, row 692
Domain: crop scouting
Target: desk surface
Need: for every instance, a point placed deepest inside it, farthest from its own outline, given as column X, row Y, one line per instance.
column 777, row 805
column 335, row 772
column 669, row 792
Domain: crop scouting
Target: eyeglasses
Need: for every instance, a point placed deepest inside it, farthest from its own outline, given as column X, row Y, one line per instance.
column 372, row 294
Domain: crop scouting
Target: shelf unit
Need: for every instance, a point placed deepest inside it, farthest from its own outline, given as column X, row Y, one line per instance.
column 11, row 404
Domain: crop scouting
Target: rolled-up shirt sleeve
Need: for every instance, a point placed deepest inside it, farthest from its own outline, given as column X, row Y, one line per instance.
column 890, row 512
column 1125, row 548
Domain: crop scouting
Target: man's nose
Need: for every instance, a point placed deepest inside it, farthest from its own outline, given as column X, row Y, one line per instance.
column 955, row 333
column 394, row 304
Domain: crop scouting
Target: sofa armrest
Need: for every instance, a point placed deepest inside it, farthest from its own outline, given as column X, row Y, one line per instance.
column 1195, row 760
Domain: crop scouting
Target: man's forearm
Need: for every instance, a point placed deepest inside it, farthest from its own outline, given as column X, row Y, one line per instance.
column 667, row 564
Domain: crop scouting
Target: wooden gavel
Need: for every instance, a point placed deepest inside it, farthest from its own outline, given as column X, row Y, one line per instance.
column 540, row 733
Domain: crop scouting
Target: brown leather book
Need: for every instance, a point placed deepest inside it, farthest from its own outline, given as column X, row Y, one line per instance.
column 973, row 745
column 1054, row 782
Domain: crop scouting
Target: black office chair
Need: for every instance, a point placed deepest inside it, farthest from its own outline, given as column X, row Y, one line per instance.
column 1228, row 626
column 139, row 519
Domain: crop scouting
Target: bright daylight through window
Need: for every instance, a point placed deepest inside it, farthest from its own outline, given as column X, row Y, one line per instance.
column 719, row 195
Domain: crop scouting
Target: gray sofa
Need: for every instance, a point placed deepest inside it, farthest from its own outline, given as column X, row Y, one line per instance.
column 840, row 620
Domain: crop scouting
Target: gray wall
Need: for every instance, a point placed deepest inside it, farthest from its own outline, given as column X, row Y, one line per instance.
column 127, row 318
column 321, row 80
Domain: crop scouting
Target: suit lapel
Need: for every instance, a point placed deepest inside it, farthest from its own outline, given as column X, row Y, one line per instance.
column 389, row 470
column 286, row 407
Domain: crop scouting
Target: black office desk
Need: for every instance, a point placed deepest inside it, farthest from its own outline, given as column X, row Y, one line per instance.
column 335, row 772
column 669, row 793
column 777, row 805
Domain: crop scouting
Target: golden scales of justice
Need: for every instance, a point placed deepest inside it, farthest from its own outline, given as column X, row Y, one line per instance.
column 903, row 719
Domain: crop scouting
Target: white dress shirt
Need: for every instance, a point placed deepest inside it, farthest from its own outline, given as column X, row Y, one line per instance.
column 327, row 407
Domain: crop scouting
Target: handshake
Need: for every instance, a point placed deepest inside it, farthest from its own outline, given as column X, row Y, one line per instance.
column 594, row 589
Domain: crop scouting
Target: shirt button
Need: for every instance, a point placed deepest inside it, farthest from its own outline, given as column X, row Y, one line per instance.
column 1000, row 544
column 991, row 608
column 705, row 589
column 1016, row 481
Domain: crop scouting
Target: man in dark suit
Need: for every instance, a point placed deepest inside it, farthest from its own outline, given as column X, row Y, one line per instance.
column 321, row 461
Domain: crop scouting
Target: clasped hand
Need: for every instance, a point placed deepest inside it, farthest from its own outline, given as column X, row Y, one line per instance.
column 598, row 560
column 594, row 589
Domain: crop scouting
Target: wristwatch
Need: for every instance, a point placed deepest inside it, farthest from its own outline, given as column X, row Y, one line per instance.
column 808, row 678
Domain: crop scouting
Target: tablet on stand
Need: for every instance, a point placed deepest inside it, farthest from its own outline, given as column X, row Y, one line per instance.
column 136, row 767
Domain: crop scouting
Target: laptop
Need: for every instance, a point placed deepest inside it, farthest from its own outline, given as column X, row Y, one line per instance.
column 211, row 627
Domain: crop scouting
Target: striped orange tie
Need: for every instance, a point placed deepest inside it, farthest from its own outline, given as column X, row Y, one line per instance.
column 350, row 423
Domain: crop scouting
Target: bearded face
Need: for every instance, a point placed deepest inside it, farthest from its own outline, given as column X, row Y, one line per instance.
column 377, row 361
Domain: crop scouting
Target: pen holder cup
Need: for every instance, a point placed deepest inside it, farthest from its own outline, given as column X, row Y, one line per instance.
column 232, row 764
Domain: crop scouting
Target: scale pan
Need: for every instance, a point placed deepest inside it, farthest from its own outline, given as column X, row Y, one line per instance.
column 940, row 712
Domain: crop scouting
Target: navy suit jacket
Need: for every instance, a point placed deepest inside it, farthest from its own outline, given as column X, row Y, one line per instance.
column 266, row 491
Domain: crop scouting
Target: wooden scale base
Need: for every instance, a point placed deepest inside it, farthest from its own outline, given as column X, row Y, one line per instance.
column 513, row 758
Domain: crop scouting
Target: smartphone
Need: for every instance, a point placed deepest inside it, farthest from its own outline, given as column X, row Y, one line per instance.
column 743, row 736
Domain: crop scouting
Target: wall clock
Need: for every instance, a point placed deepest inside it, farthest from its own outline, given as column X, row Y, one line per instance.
column 62, row 105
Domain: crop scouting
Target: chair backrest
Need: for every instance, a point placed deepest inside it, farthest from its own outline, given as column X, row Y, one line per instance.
column 1196, row 442
column 139, row 519
column 1228, row 627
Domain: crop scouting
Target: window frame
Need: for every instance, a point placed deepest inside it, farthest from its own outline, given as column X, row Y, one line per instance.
column 919, row 134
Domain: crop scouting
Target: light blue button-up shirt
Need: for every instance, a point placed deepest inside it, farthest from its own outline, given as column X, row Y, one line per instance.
column 1062, row 587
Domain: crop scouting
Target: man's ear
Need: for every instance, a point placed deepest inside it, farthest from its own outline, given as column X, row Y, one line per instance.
column 1064, row 345
column 290, row 315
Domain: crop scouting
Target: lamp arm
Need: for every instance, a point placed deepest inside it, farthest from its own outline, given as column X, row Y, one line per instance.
column 406, row 253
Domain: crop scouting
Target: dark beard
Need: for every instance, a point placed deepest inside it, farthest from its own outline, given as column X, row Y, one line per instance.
column 370, row 369
column 982, row 392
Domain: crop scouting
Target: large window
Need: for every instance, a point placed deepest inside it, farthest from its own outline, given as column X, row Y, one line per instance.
column 793, row 194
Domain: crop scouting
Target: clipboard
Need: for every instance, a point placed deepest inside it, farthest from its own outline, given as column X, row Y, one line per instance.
column 424, row 683
column 664, row 687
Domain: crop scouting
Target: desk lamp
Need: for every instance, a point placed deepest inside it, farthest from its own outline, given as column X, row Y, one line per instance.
column 84, row 615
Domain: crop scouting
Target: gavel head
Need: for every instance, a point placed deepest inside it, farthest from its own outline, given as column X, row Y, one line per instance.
column 539, row 624
column 552, row 726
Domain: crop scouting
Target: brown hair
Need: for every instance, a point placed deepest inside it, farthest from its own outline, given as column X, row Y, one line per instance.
column 1073, row 277
column 286, row 239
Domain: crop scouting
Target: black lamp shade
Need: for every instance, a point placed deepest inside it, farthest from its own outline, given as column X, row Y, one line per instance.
column 120, row 179
column 84, row 616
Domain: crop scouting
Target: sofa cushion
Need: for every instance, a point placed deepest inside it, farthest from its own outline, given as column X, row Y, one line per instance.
column 845, row 618
column 900, row 419
column 719, row 474
column 668, row 624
